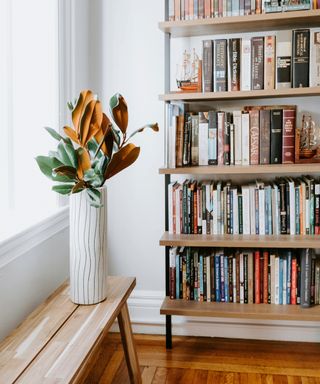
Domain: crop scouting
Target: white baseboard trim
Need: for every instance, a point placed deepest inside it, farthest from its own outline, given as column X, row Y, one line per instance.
column 144, row 307
column 27, row 239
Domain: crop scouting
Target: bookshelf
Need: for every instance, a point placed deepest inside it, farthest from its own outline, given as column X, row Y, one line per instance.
column 213, row 26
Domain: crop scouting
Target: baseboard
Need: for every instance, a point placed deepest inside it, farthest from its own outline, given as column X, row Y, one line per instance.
column 144, row 307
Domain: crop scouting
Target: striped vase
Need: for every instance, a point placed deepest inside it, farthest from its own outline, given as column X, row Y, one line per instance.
column 88, row 262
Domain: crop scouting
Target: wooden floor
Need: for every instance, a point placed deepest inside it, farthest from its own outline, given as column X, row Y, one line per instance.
column 209, row 360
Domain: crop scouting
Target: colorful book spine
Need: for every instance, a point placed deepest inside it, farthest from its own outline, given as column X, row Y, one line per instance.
column 257, row 63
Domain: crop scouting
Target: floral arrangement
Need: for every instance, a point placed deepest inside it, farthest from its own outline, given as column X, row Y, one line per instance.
column 94, row 150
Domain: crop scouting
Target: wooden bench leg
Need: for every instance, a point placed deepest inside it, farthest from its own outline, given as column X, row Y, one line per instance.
column 128, row 346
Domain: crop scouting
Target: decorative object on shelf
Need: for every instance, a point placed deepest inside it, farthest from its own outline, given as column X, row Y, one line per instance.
column 189, row 73
column 308, row 141
column 94, row 151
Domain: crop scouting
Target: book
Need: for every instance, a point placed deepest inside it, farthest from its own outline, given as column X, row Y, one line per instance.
column 237, row 122
column 194, row 140
column 226, row 139
column 220, row 74
column 265, row 135
column 234, row 64
column 245, row 62
column 300, row 57
column 257, row 63
column 305, row 261
column 288, row 135
column 276, row 136
column 314, row 57
column 254, row 136
column 269, row 62
column 212, row 138
column 207, row 62
column 283, row 59
column 203, row 138
column 245, row 124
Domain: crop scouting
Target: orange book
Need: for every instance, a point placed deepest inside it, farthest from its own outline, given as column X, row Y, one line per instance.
column 207, row 8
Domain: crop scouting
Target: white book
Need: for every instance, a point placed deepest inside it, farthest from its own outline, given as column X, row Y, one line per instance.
column 245, row 123
column 314, row 57
column 215, row 211
column 237, row 137
column 262, row 216
column 172, row 111
column 246, row 209
column 241, row 273
column 252, row 208
column 235, row 211
column 170, row 206
column 203, row 138
column 292, row 206
column 272, row 277
column 219, row 211
column 284, row 280
column 234, row 279
column 274, row 207
column 276, row 280
column 232, row 144
column 245, row 65
column 208, row 279
column 171, row 10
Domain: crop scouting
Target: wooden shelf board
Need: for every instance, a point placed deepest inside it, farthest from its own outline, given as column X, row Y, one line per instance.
column 234, row 310
column 241, row 241
column 236, row 24
column 270, row 169
column 237, row 95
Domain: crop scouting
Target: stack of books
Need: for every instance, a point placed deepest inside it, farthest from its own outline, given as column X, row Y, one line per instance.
column 245, row 276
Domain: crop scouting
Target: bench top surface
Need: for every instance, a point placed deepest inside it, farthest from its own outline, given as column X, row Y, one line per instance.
column 65, row 333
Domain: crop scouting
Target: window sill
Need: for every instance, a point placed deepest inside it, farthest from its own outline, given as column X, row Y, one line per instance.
column 13, row 245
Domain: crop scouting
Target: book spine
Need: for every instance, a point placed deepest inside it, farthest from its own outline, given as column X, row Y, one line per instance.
column 245, row 273
column 283, row 208
column 207, row 62
column 284, row 55
column 222, row 278
column 305, row 260
column 257, row 277
column 234, row 64
column 315, row 57
column 207, row 8
column 172, row 273
column 240, row 215
column 254, row 136
column 265, row 276
column 276, row 136
column 237, row 137
column 289, row 276
column 177, row 9
column 288, row 136
column 200, row 9
column 195, row 9
column 245, row 138
column 269, row 59
column 294, row 281
column 221, row 128
column 264, row 137
column 245, row 80
column 203, row 138
column 226, row 139
column 217, row 276
column 317, row 209
column 213, row 139
column 300, row 57
column 241, row 278
column 220, row 77
column 257, row 63
column 235, row 11
column 241, row 7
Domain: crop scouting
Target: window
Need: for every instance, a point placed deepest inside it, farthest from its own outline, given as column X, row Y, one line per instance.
column 29, row 100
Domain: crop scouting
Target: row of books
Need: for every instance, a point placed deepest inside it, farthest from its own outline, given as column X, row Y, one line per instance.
column 289, row 59
column 201, row 9
column 245, row 276
column 252, row 136
column 285, row 206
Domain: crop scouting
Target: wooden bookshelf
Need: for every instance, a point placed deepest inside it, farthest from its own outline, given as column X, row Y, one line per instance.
column 270, row 169
column 236, row 24
column 241, row 241
column 233, row 310
column 239, row 95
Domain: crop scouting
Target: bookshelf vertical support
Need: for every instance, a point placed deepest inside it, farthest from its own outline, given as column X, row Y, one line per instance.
column 167, row 275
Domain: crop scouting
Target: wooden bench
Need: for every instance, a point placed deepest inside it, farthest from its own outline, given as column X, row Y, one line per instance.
column 58, row 340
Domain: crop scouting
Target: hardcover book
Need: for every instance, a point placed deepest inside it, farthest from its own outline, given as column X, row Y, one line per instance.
column 284, row 55
column 269, row 60
column 257, row 63
column 245, row 82
column 220, row 77
column 288, row 135
column 276, row 136
column 315, row 57
column 234, row 64
column 207, row 60
column 254, row 136
column 264, row 136
column 300, row 57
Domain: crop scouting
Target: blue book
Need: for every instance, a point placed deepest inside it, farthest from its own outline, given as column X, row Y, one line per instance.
column 217, row 276
column 177, row 276
column 201, row 276
column 195, row 9
column 222, row 278
column 289, row 260
column 226, row 280
column 280, row 280
column 268, row 210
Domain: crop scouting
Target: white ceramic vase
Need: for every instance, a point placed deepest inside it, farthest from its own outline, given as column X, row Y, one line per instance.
column 88, row 261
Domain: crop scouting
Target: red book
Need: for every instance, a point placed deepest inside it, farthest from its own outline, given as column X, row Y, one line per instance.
column 288, row 135
column 265, row 276
column 254, row 136
column 294, row 281
column 207, row 8
column 257, row 276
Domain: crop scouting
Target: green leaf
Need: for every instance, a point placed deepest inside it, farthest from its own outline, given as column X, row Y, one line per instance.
column 63, row 189
column 65, row 170
column 67, row 154
column 94, row 197
column 54, row 133
column 92, row 146
column 116, row 135
column 47, row 164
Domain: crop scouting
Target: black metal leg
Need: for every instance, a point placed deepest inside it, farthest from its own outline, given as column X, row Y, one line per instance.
column 168, row 332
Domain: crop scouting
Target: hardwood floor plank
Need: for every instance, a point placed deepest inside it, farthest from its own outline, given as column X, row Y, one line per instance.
column 254, row 378
column 215, row 377
column 188, row 376
column 280, row 379
column 174, row 376
column 266, row 379
column 112, row 368
column 160, row 376
column 200, row 377
column 294, row 380
column 148, row 374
